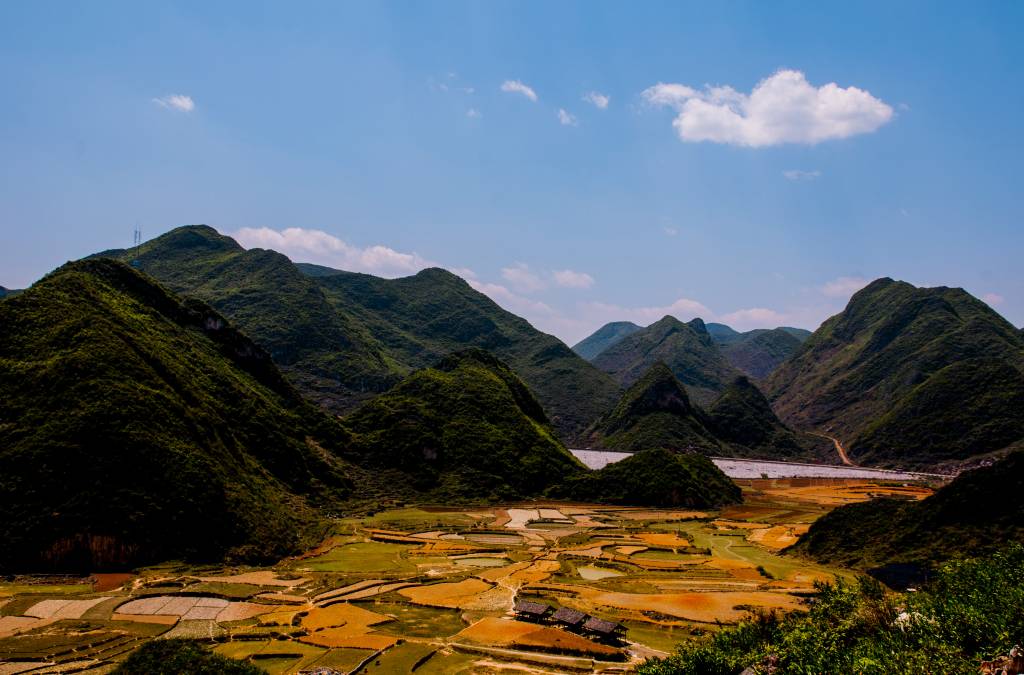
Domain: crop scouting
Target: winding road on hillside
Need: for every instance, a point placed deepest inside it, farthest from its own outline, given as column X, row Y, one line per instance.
column 839, row 447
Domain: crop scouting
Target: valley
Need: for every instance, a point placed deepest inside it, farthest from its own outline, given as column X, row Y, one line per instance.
column 437, row 589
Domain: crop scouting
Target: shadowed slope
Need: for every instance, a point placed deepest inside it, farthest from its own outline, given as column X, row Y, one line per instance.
column 136, row 426
column 466, row 428
column 978, row 512
column 655, row 412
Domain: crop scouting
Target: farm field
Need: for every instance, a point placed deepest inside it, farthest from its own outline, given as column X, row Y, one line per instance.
column 434, row 590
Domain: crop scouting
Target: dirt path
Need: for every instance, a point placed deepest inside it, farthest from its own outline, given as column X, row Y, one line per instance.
column 839, row 447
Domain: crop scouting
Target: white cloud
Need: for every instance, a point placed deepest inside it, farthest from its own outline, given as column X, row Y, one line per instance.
column 565, row 118
column 571, row 279
column 176, row 102
column 670, row 230
column 517, row 87
column 522, row 278
column 798, row 174
column 316, row 246
column 684, row 309
column 993, row 299
column 517, row 304
column 783, row 108
column 755, row 317
column 844, row 287
column 473, row 113
column 597, row 99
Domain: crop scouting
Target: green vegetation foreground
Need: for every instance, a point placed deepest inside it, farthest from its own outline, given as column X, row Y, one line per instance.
column 970, row 612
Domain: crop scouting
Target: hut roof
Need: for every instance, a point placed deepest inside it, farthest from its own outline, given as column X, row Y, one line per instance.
column 569, row 616
column 601, row 626
column 527, row 607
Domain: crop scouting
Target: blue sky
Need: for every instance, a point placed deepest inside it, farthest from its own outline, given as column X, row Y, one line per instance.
column 854, row 141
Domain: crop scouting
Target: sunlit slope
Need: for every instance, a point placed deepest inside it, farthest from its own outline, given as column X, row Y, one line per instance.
column 908, row 376
column 343, row 337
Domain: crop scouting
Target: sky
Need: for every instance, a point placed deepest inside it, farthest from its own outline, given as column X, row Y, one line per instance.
column 579, row 162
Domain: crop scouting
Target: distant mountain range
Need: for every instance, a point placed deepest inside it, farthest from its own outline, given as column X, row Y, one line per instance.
column 343, row 337
column 906, row 376
column 603, row 338
column 756, row 353
column 686, row 348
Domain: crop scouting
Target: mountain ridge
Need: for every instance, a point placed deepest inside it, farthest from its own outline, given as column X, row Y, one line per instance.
column 891, row 361
column 342, row 337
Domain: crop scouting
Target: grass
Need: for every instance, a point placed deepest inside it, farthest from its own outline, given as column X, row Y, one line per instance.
column 363, row 557
column 416, row 620
column 969, row 612
column 399, row 659
column 7, row 589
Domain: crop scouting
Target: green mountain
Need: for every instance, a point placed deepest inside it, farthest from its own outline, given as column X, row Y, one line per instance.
column 743, row 420
column 603, row 338
column 721, row 333
column 136, row 426
column 655, row 412
column 466, row 428
column 908, row 376
column 759, row 352
column 686, row 348
column 341, row 337
column 979, row 512
column 655, row 477
column 8, row 292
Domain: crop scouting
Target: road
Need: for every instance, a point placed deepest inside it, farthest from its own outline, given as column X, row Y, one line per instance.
column 839, row 447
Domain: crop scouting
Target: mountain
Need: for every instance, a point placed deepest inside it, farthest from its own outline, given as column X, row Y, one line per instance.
column 979, row 512
column 8, row 292
column 907, row 376
column 342, row 337
column 686, row 348
column 603, row 338
column 721, row 333
column 759, row 352
column 800, row 334
column 137, row 426
column 655, row 412
column 743, row 419
column 466, row 428
column 656, row 477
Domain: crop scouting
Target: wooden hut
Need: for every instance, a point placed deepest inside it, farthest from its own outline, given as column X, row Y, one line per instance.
column 531, row 611
column 573, row 619
column 605, row 631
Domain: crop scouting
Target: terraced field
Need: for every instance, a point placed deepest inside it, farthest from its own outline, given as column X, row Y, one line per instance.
column 433, row 590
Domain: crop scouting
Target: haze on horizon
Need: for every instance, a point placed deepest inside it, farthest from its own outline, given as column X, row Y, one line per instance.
column 579, row 163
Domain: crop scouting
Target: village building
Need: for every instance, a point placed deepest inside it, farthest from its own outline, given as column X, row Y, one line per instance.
column 531, row 611
column 605, row 631
column 573, row 619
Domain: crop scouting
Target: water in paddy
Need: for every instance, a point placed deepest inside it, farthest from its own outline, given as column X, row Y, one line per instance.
column 482, row 562
column 595, row 573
